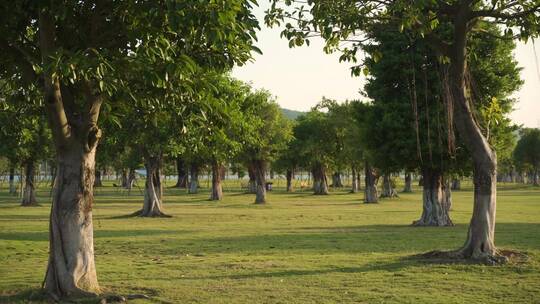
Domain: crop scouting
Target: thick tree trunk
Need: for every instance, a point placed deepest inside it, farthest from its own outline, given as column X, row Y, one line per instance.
column 194, row 178
column 336, row 180
column 12, row 187
column 259, row 168
column 97, row 180
column 124, row 178
column 436, row 200
column 456, row 184
column 388, row 188
column 408, row 183
column 252, row 184
column 29, row 192
column 182, row 173
column 290, row 175
column 130, row 179
column 153, row 189
column 71, row 270
column 320, row 183
column 480, row 242
column 535, row 177
column 371, row 194
column 354, row 187
column 217, row 174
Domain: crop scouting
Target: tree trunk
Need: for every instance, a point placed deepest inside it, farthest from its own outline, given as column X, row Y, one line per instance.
column 320, row 183
column 217, row 174
column 259, row 168
column 12, row 187
column 290, row 176
column 252, row 184
column 336, row 180
column 388, row 188
column 71, row 270
column 153, row 190
column 354, row 187
column 456, row 184
column 371, row 194
column 194, row 178
column 29, row 193
column 436, row 200
column 408, row 183
column 124, row 178
column 535, row 176
column 182, row 173
column 130, row 179
column 480, row 242
column 97, row 180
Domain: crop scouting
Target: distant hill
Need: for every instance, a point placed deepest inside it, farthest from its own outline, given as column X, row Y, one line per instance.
column 291, row 114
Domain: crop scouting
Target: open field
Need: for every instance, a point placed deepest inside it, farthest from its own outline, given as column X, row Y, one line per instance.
column 299, row 248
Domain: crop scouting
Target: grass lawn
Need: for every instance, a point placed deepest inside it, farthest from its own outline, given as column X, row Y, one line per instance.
column 299, row 248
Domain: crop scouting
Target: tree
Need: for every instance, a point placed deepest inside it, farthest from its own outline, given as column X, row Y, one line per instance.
column 225, row 131
column 527, row 152
column 270, row 133
column 74, row 53
column 24, row 137
column 317, row 143
column 342, row 20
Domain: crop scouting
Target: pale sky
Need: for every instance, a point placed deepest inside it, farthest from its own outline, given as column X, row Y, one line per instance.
column 299, row 77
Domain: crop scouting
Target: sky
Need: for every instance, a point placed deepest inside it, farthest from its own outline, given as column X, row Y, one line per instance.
column 300, row 77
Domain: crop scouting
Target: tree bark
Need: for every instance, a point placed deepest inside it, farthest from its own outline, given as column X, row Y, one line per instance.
column 388, row 188
column 371, row 194
column 130, row 179
column 153, row 189
column 259, row 168
column 320, row 183
column 354, row 187
column 436, row 200
column 252, row 184
column 194, row 178
column 217, row 175
column 408, row 183
column 29, row 192
column 182, row 173
column 290, row 176
column 480, row 243
column 456, row 184
column 336, row 180
column 97, row 180
column 124, row 178
column 71, row 270
column 12, row 187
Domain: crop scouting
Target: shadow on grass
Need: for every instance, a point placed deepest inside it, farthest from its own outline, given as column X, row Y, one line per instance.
column 39, row 236
column 25, row 296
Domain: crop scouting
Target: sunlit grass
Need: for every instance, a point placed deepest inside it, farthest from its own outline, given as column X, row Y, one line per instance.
column 299, row 248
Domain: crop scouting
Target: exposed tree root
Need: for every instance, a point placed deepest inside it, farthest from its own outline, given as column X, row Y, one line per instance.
column 152, row 214
column 500, row 257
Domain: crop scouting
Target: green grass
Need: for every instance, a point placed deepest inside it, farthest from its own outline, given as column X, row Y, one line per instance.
column 299, row 248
